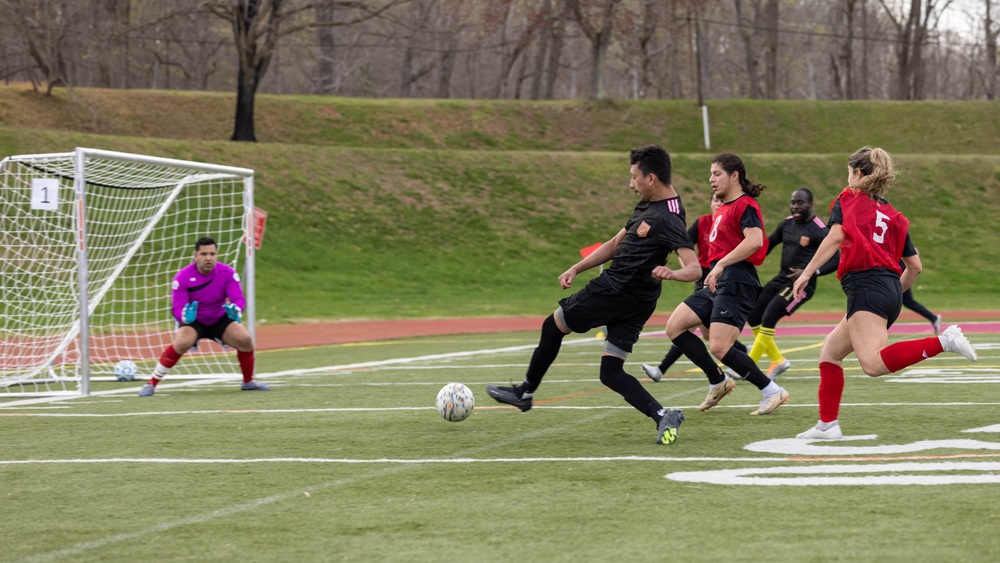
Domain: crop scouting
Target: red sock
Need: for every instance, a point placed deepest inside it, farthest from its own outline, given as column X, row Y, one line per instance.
column 246, row 364
column 168, row 359
column 831, row 388
column 904, row 354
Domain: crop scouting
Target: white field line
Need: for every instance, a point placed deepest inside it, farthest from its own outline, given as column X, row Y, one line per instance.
column 276, row 374
column 484, row 408
column 392, row 461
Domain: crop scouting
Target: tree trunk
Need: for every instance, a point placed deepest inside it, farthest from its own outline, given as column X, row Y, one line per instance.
column 600, row 40
column 541, row 54
column 246, row 93
column 448, row 30
column 771, row 49
column 750, row 60
column 324, row 40
column 990, row 82
column 558, row 30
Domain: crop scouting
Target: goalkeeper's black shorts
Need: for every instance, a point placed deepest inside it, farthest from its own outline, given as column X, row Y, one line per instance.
column 213, row 332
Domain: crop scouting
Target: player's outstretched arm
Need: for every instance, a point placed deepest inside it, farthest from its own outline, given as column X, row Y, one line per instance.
column 689, row 272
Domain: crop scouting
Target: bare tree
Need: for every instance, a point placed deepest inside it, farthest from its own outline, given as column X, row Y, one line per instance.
column 913, row 27
column 326, row 55
column 599, row 33
column 990, row 32
column 749, row 50
column 42, row 27
column 258, row 26
column 416, row 25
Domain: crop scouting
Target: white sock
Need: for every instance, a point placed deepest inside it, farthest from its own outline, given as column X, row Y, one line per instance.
column 771, row 389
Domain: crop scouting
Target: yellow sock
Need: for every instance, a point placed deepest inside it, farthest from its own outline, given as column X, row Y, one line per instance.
column 757, row 350
column 766, row 337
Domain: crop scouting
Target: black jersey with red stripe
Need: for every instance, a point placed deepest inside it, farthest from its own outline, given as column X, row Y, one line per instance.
column 799, row 242
column 655, row 229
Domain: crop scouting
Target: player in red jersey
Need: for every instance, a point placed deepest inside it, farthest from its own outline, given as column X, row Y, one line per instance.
column 872, row 237
column 737, row 244
column 698, row 232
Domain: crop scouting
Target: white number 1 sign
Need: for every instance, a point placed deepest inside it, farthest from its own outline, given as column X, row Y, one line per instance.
column 45, row 194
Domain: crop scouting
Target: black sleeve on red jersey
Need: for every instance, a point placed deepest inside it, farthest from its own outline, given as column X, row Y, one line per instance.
column 750, row 219
column 908, row 248
column 836, row 215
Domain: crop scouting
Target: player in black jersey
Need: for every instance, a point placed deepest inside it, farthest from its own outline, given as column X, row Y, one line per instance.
column 622, row 297
column 799, row 236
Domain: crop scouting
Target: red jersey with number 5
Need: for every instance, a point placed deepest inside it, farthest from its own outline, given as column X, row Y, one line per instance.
column 727, row 230
column 874, row 232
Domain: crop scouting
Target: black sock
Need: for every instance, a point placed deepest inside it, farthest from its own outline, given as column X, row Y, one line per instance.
column 613, row 375
column 696, row 351
column 740, row 346
column 746, row 367
column 673, row 354
column 545, row 353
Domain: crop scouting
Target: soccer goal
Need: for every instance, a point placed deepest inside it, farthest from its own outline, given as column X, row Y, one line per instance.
column 89, row 243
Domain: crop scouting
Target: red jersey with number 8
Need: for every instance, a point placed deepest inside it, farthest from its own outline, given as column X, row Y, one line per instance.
column 874, row 233
column 727, row 231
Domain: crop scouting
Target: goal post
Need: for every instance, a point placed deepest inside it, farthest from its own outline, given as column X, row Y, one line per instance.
column 89, row 243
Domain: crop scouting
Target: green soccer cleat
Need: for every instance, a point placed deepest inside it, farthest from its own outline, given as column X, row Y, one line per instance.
column 667, row 428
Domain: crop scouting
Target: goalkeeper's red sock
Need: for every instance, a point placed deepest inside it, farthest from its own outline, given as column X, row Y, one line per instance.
column 168, row 359
column 246, row 364
column 904, row 354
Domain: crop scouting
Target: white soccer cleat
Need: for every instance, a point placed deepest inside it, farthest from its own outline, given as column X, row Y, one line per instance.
column 652, row 372
column 816, row 433
column 717, row 392
column 952, row 340
column 770, row 404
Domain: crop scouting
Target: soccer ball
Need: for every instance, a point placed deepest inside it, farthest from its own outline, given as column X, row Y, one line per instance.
column 455, row 402
column 125, row 370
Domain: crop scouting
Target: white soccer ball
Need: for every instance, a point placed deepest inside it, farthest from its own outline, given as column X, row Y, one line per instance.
column 455, row 402
column 125, row 370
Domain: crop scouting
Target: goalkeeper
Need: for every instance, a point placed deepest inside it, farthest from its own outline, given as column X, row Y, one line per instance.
column 200, row 292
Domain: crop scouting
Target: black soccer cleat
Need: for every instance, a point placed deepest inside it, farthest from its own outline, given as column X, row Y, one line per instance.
column 508, row 395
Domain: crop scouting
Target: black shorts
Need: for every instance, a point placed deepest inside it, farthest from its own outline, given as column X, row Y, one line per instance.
column 777, row 300
column 730, row 304
column 875, row 291
column 214, row 332
column 701, row 281
column 599, row 305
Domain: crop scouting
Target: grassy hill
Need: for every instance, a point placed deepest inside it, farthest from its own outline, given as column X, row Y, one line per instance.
column 413, row 208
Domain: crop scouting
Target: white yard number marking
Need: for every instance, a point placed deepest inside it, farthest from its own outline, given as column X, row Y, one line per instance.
column 45, row 194
column 880, row 222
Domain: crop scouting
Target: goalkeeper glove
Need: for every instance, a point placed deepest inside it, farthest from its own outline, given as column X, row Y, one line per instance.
column 234, row 312
column 190, row 313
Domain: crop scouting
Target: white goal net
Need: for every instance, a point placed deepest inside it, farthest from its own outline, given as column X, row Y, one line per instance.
column 105, row 232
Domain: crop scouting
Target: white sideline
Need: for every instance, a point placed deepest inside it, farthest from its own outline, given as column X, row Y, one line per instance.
column 376, row 363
